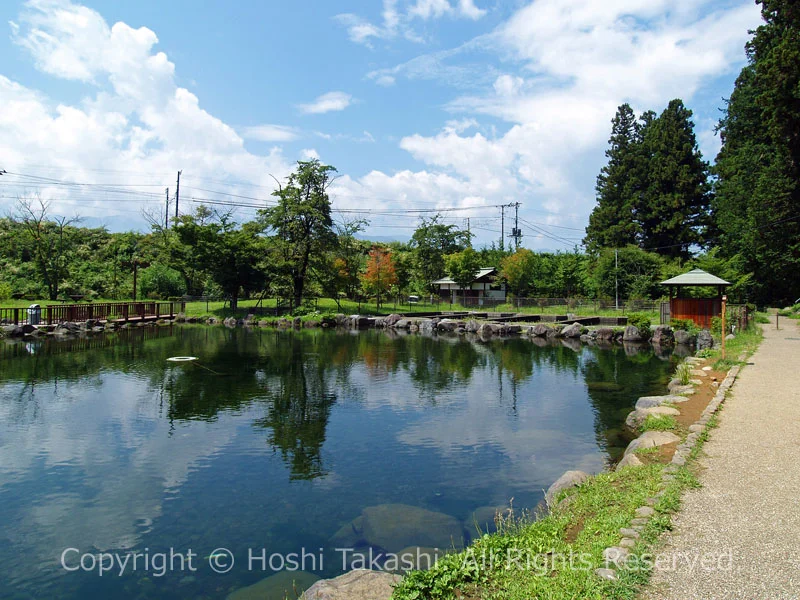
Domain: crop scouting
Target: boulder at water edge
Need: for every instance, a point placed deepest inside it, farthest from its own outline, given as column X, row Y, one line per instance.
column 638, row 417
column 360, row 584
column 286, row 584
column 652, row 439
column 651, row 401
column 632, row 334
column 663, row 336
column 705, row 340
column 393, row 527
column 572, row 331
column 567, row 480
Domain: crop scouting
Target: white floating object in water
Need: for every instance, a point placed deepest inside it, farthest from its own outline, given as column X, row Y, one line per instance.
column 182, row 359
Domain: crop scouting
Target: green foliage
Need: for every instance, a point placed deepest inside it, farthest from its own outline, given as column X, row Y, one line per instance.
column 757, row 194
column 463, row 267
column 638, row 273
column 158, row 281
column 684, row 325
column 641, row 322
column 684, row 373
column 302, row 226
column 659, row 423
column 430, row 243
column 5, row 291
column 654, row 190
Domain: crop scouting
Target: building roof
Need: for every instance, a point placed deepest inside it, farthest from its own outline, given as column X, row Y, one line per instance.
column 696, row 277
column 483, row 272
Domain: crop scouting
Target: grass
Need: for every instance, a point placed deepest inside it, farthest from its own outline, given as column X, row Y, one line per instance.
column 555, row 556
column 660, row 423
column 737, row 350
column 328, row 305
column 684, row 373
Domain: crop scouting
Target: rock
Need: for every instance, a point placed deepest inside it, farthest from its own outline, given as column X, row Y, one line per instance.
column 286, row 584
column 472, row 326
column 392, row 319
column 350, row 535
column 636, row 418
column 663, row 335
column 566, row 481
column 627, row 543
column 449, row 325
column 615, row 555
column 539, row 330
column 645, row 511
column 629, row 460
column 629, row 533
column 605, row 334
column 512, row 329
column 650, row 401
column 572, row 331
column 698, row 373
column 705, row 340
column 632, row 334
column 608, row 574
column 230, row 322
column 652, row 439
column 212, row 321
column 359, row 584
column 730, row 337
column 488, row 329
column 554, row 331
column 683, row 337
column 396, row 526
column 402, row 324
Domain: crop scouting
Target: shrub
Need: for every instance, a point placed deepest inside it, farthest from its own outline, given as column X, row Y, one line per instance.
column 684, row 324
column 5, row 291
column 159, row 281
column 641, row 322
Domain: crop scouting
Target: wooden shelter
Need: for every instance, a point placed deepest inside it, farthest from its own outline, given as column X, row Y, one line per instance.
column 699, row 310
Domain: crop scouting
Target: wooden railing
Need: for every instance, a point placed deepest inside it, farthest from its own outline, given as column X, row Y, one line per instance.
column 103, row 311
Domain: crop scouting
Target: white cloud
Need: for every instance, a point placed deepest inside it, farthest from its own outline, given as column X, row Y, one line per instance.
column 270, row 133
column 400, row 23
column 568, row 65
column 134, row 120
column 329, row 102
column 309, row 154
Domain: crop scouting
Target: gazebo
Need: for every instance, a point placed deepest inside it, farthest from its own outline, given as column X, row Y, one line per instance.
column 699, row 310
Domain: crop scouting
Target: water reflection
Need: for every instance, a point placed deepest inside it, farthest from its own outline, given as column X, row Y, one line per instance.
column 282, row 438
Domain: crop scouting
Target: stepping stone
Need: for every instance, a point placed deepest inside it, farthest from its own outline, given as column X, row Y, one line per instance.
column 652, row 439
column 636, row 418
column 651, row 401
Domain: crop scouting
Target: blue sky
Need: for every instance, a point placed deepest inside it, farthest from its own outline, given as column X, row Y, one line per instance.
column 420, row 104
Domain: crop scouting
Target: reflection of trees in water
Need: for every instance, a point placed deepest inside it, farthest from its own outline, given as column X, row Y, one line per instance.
column 615, row 377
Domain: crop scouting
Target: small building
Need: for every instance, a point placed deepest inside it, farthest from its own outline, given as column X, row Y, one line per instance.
column 486, row 286
column 699, row 310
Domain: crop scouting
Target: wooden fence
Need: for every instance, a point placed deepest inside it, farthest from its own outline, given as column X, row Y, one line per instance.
column 103, row 311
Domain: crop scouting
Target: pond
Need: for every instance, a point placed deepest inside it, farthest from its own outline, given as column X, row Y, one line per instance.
column 278, row 442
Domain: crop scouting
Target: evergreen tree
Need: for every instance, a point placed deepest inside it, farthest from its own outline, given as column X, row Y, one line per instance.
column 757, row 196
column 673, row 210
column 612, row 222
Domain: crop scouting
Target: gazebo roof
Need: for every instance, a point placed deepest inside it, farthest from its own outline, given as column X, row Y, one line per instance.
column 696, row 277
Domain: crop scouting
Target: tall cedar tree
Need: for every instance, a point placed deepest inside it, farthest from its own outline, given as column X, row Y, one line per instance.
column 757, row 193
column 612, row 222
column 673, row 211
column 654, row 191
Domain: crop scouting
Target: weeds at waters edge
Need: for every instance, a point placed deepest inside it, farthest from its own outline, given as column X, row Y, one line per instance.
column 553, row 557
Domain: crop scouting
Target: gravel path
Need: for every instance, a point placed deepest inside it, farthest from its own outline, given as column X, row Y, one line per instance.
column 747, row 514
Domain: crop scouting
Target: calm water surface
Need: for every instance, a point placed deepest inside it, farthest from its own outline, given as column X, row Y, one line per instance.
column 276, row 440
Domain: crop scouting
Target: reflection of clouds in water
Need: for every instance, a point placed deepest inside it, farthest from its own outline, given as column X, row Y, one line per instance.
column 113, row 442
column 536, row 427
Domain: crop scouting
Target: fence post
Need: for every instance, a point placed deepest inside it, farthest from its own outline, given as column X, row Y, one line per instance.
column 16, row 316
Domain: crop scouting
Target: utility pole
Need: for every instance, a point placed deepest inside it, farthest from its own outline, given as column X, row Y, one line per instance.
column 517, row 233
column 178, row 195
column 469, row 233
column 616, row 278
column 502, row 227
column 166, row 212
